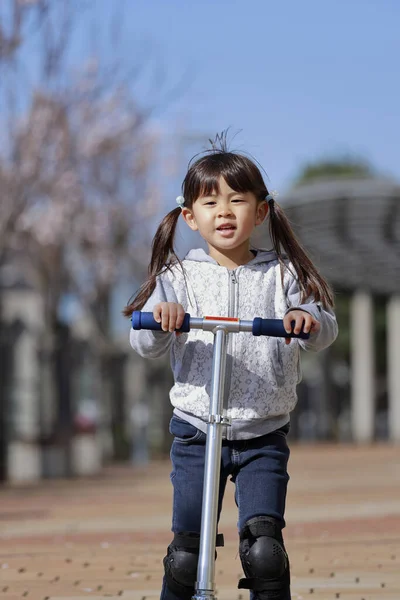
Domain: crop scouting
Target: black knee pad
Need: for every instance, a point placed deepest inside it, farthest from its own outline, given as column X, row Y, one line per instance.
column 180, row 564
column 264, row 559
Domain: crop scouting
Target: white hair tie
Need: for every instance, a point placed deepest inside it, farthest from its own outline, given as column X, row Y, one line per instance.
column 180, row 201
column 271, row 196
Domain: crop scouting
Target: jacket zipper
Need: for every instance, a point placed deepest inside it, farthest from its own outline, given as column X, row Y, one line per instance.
column 232, row 310
column 232, row 294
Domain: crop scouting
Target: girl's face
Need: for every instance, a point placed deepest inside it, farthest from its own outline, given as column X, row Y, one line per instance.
column 226, row 221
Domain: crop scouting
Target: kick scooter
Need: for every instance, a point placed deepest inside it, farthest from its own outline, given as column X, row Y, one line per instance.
column 220, row 327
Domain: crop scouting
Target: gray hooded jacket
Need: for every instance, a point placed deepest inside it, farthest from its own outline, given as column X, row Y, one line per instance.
column 262, row 372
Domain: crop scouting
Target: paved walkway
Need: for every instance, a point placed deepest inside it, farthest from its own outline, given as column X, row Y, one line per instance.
column 105, row 537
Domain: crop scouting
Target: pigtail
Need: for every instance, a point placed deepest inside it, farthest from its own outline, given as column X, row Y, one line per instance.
column 162, row 257
column 310, row 280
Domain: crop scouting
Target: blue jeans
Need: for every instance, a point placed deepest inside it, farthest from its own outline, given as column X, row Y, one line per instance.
column 257, row 467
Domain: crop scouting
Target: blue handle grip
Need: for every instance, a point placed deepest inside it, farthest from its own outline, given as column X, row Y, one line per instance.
column 275, row 328
column 145, row 320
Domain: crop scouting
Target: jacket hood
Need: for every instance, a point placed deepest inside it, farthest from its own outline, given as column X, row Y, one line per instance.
column 200, row 255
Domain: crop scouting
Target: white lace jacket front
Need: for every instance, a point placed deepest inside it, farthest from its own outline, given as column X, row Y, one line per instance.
column 262, row 372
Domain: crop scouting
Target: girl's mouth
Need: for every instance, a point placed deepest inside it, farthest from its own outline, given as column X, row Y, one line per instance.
column 226, row 230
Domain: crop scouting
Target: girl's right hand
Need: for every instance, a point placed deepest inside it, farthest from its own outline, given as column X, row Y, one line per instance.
column 169, row 314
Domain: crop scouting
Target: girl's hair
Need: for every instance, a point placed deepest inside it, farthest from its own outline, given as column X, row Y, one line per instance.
column 242, row 175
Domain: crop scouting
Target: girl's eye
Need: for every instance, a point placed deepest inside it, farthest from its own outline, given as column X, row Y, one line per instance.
column 237, row 200
column 211, row 203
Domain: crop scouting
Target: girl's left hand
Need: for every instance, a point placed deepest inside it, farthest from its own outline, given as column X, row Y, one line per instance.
column 303, row 321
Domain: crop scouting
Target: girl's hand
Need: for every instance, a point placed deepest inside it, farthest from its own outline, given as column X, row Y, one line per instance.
column 302, row 321
column 169, row 314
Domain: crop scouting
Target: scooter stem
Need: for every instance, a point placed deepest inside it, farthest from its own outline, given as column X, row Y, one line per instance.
column 206, row 565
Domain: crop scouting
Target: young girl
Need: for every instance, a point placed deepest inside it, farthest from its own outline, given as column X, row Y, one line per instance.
column 225, row 199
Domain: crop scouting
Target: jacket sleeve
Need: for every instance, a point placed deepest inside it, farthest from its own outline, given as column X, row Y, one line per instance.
column 153, row 344
column 326, row 317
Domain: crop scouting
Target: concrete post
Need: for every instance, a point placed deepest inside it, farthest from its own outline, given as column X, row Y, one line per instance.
column 362, row 367
column 393, row 362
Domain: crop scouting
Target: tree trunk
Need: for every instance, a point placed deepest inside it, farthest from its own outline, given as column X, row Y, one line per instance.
column 112, row 368
column 9, row 333
column 63, row 368
column 5, row 376
column 55, row 407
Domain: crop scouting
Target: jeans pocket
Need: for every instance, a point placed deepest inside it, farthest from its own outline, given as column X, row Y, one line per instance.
column 184, row 432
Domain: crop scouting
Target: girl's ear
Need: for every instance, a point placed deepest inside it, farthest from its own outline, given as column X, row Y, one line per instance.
column 262, row 211
column 188, row 216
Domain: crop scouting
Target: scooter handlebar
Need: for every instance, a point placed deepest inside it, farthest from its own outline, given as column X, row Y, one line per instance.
column 268, row 327
column 275, row 328
column 145, row 320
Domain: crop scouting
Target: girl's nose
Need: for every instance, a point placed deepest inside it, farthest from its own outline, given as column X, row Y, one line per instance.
column 224, row 210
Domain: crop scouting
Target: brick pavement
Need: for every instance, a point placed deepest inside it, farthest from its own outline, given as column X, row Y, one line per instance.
column 106, row 536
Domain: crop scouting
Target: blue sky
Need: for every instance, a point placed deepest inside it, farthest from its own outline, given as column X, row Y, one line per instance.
column 301, row 80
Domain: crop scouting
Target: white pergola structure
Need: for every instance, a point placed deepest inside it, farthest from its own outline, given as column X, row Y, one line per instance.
column 351, row 228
